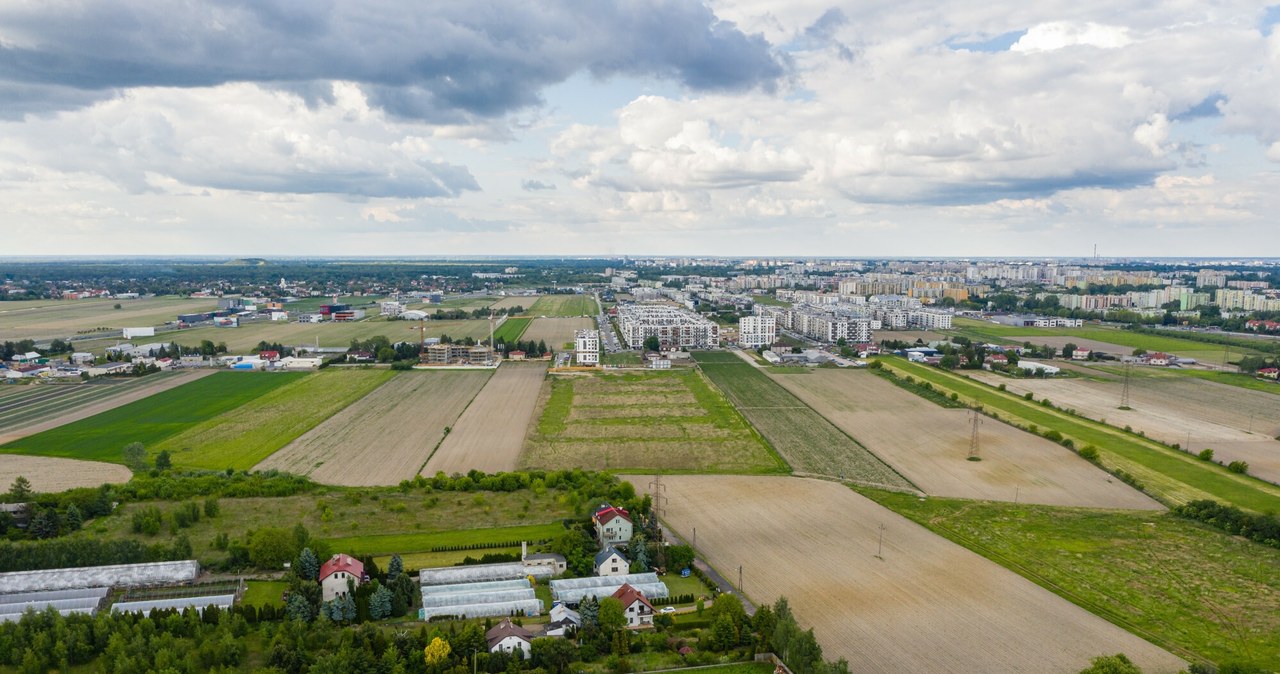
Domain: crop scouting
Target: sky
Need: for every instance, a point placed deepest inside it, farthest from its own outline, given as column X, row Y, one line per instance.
column 737, row 127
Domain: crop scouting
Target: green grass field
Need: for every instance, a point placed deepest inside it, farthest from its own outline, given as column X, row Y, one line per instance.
column 552, row 306
column 264, row 592
column 29, row 404
column 1177, row 583
column 809, row 442
column 379, row 544
column 622, row 358
column 102, row 437
column 511, row 329
column 671, row 420
column 430, row 560
column 1230, row 378
column 1169, row 475
column 242, row 437
column 994, row 332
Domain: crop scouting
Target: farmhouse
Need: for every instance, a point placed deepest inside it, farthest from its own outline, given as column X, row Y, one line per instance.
column 1159, row 359
column 337, row 573
column 1269, row 372
column 638, row 610
column 610, row 562
column 506, row 637
column 613, row 525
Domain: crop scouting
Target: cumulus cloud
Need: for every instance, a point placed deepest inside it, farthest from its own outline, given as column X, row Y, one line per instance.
column 536, row 185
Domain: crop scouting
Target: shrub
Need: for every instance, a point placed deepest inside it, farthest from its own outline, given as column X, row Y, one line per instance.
column 1000, row 387
column 1053, row 435
column 1028, row 396
column 1240, row 467
column 1089, row 452
column 1206, row 455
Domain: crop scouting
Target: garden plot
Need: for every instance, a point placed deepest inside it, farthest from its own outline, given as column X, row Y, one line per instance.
column 556, row 332
column 930, row 446
column 1237, row 423
column 919, row 603
column 490, row 434
column 672, row 420
column 49, row 474
column 386, row 436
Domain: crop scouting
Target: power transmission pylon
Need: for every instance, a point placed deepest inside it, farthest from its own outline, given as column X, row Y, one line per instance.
column 1124, row 393
column 974, row 440
column 659, row 493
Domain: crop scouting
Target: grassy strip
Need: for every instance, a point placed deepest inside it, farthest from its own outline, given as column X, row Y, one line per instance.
column 511, row 329
column 102, row 437
column 1176, row 583
column 241, row 438
column 431, row 542
column 1169, row 475
column 925, row 391
column 264, row 592
column 555, row 416
column 1229, row 378
column 804, row 438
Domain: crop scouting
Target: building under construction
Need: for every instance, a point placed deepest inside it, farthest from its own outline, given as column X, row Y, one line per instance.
column 457, row 354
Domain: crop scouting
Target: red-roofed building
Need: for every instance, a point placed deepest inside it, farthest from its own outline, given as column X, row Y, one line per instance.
column 613, row 525
column 1269, row 372
column 271, row 356
column 1159, row 358
column 1268, row 326
column 638, row 610
column 335, row 574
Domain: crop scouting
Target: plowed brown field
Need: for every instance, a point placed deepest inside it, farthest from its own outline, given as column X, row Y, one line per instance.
column 49, row 474
column 490, row 434
column 925, row 605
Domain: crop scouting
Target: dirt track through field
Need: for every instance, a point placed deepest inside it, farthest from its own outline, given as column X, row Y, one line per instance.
column 925, row 606
column 49, row 474
column 142, row 390
column 490, row 434
column 930, row 445
column 1237, row 423
column 555, row 331
column 386, row 436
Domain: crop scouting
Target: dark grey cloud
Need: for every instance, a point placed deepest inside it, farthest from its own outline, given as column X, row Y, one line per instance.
column 437, row 61
column 982, row 191
column 536, row 185
column 20, row 99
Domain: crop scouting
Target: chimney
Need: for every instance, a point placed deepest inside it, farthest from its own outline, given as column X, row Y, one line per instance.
column 524, row 550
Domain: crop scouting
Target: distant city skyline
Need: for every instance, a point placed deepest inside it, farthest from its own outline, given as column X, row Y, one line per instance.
column 735, row 128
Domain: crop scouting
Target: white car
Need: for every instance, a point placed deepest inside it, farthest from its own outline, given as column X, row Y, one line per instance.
column 668, row 609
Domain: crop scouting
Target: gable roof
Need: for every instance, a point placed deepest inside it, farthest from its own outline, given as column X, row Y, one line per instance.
column 605, row 554
column 341, row 562
column 606, row 513
column 505, row 629
column 628, row 595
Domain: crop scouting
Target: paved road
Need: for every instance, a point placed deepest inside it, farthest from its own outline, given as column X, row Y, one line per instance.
column 723, row 583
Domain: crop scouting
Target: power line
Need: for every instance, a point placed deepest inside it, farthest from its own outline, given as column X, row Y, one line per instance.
column 1124, row 393
column 974, row 439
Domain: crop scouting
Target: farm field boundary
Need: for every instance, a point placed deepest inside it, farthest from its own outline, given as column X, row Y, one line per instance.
column 1171, row 476
column 808, row 442
column 103, row 436
column 490, row 434
column 511, row 329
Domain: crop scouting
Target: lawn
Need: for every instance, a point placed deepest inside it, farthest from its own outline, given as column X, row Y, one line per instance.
column 430, row 560
column 250, row 433
column 264, row 592
column 996, row 332
column 511, row 329
column 1230, row 378
column 1168, row 475
column 1177, row 583
column 102, row 437
column 563, row 305
column 622, row 358
column 377, row 544
column 670, row 420
column 809, row 442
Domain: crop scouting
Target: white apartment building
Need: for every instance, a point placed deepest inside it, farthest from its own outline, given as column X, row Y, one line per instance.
column 676, row 329
column 756, row 331
column 586, row 347
column 929, row 320
column 1245, row 301
column 392, row 308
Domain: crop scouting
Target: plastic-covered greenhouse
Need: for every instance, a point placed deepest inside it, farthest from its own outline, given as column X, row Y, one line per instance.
column 484, row 599
column 12, row 606
column 197, row 603
column 574, row 590
column 460, row 599
column 469, row 588
column 117, row 575
column 524, row 607
column 478, row 573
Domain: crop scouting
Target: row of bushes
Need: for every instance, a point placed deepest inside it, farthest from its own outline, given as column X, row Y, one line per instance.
column 482, row 546
column 1264, row 529
column 673, row 600
column 924, row 390
column 64, row 553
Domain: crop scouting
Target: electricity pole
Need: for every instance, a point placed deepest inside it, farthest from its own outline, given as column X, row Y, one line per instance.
column 974, row 443
column 1124, row 393
column 880, row 544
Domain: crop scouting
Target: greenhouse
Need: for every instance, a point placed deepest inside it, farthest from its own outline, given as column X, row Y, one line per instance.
column 479, row 573
column 116, row 575
column 146, row 606
column 460, row 598
column 467, row 588
column 13, row 606
column 484, row 599
column 574, row 590
column 524, row 607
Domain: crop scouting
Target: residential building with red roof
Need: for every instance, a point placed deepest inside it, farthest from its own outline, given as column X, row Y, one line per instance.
column 337, row 572
column 613, row 525
column 638, row 610
column 1269, row 372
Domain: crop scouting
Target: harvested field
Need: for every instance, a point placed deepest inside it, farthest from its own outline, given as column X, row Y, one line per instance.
column 32, row 409
column 47, row 319
column 556, row 331
column 247, row 336
column 581, row 425
column 1090, row 344
column 1238, row 424
column 490, row 434
column 810, row 443
column 386, row 436
column 930, row 444
column 923, row 605
column 514, row 302
column 49, row 474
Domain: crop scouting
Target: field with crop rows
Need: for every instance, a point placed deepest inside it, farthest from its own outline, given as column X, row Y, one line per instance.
column 1169, row 475
column 514, row 302
column 30, row 409
column 552, row 306
column 250, row 433
column 103, row 436
column 48, row 319
column 490, row 435
column 930, row 446
column 386, row 436
column 511, row 329
column 672, row 420
column 808, row 442
column 891, row 599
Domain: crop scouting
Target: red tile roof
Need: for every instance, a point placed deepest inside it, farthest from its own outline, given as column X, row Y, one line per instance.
column 606, row 514
column 341, row 562
column 628, row 595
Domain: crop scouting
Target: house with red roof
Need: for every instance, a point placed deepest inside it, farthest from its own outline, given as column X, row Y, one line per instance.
column 1159, row 358
column 638, row 610
column 613, row 525
column 337, row 575
column 1269, row 372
